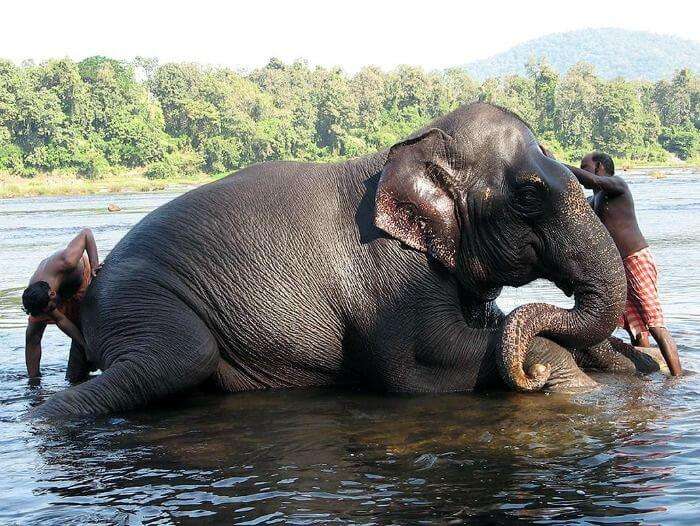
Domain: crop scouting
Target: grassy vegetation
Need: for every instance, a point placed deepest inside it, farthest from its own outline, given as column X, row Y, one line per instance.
column 632, row 164
column 71, row 184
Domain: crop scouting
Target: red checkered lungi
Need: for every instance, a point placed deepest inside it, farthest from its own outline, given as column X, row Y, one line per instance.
column 643, row 309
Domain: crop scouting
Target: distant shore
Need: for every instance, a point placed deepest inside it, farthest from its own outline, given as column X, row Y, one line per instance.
column 12, row 186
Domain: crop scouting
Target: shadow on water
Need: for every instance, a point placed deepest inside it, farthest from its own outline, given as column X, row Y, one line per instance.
column 303, row 457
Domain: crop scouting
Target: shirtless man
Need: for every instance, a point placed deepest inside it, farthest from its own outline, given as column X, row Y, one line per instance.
column 613, row 204
column 54, row 295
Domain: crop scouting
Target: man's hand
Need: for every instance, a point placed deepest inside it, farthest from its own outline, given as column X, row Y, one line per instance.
column 612, row 185
column 668, row 349
column 95, row 270
column 67, row 327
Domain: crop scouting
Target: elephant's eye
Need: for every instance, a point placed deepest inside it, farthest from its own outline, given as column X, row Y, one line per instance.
column 528, row 200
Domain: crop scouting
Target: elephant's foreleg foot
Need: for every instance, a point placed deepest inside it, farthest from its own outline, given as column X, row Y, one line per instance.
column 614, row 355
column 565, row 374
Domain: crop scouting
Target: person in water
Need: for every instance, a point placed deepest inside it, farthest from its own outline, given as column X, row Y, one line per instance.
column 613, row 203
column 55, row 292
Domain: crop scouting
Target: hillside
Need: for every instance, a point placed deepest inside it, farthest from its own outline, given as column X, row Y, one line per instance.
column 614, row 52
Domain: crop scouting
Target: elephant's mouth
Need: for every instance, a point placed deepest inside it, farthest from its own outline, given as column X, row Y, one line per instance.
column 566, row 286
column 599, row 301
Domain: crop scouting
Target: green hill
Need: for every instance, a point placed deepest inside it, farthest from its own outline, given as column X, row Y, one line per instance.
column 613, row 52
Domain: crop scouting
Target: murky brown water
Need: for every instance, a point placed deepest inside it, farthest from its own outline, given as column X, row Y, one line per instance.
column 625, row 453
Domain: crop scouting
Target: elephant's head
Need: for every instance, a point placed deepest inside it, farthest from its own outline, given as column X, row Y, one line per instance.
column 475, row 193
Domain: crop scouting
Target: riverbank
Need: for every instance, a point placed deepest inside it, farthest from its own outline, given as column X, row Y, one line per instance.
column 71, row 184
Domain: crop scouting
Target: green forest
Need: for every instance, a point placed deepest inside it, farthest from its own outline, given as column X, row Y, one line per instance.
column 102, row 116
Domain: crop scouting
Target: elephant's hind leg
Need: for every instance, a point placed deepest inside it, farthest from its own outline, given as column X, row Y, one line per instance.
column 152, row 357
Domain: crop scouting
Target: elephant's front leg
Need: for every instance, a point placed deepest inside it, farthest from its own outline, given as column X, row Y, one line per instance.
column 544, row 357
column 440, row 352
column 614, row 355
column 564, row 372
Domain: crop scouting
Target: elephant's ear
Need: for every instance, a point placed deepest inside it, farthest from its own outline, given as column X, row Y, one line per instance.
column 415, row 196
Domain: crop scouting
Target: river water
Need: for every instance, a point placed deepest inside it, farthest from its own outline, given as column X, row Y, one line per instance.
column 627, row 452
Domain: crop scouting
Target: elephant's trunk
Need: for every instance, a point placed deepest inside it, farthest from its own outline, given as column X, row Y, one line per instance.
column 591, row 267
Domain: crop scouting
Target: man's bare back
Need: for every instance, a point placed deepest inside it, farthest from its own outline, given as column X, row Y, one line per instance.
column 66, row 281
column 615, row 208
column 54, row 295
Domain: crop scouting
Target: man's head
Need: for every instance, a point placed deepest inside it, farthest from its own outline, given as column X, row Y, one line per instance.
column 38, row 299
column 598, row 163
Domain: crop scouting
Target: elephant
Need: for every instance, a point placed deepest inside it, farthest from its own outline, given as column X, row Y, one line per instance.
column 380, row 272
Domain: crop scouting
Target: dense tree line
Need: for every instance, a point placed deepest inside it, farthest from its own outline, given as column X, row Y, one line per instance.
column 101, row 115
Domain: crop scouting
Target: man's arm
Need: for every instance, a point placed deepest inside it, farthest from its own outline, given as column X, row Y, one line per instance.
column 611, row 185
column 32, row 347
column 68, row 327
column 84, row 241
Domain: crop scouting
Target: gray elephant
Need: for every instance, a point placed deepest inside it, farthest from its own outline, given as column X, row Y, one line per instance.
column 380, row 272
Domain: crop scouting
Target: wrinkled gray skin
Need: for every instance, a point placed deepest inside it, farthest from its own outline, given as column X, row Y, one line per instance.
column 379, row 272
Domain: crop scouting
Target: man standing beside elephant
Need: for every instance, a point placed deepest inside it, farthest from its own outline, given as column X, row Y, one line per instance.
column 613, row 203
column 54, row 295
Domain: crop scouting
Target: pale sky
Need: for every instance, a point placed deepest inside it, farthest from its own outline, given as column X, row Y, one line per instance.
column 345, row 33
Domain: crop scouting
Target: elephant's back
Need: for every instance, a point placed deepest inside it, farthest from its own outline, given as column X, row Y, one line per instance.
column 256, row 255
column 236, row 213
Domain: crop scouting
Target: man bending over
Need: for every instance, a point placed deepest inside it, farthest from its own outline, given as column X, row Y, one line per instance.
column 614, row 205
column 55, row 292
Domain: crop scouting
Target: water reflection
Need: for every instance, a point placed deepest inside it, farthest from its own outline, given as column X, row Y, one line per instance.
column 370, row 458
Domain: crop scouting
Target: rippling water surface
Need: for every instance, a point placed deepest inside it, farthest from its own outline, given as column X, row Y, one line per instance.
column 627, row 452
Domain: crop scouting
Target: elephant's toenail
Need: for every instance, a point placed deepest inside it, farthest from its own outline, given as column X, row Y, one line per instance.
column 537, row 370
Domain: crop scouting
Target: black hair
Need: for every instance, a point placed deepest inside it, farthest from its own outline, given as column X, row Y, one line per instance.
column 605, row 160
column 35, row 298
